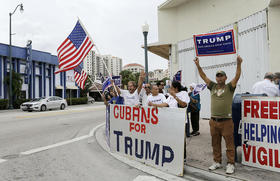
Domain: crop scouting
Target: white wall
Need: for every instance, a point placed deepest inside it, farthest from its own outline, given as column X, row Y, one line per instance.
column 200, row 16
column 274, row 37
column 57, row 78
column 252, row 41
column 70, row 80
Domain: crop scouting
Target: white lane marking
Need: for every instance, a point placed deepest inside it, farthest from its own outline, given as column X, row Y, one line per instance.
column 54, row 145
column 146, row 178
column 2, row 160
column 36, row 150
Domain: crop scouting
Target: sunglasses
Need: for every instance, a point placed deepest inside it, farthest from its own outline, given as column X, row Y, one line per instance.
column 147, row 87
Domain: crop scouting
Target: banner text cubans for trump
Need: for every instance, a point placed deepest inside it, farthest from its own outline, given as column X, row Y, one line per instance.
column 261, row 132
column 149, row 135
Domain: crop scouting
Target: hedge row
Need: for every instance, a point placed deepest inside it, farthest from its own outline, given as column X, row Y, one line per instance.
column 3, row 104
column 76, row 101
column 16, row 104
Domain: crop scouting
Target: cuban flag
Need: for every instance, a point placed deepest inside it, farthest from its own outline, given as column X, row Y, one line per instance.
column 117, row 80
column 198, row 88
column 106, row 84
column 80, row 76
column 74, row 48
column 178, row 76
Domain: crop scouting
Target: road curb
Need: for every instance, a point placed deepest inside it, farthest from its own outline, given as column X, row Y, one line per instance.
column 191, row 173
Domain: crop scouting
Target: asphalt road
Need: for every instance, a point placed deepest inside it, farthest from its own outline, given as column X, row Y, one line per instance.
column 56, row 145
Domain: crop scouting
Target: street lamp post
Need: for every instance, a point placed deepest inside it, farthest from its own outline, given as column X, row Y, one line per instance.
column 10, row 56
column 145, row 29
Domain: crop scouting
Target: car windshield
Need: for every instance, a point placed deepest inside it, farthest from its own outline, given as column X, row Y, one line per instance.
column 37, row 99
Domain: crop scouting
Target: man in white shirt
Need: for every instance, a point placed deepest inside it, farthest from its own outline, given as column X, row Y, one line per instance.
column 145, row 92
column 156, row 97
column 266, row 86
column 277, row 80
column 131, row 96
column 161, row 87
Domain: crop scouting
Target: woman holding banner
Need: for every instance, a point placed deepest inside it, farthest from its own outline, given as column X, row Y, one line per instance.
column 178, row 98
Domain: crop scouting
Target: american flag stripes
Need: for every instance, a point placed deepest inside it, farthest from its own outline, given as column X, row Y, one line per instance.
column 74, row 48
column 80, row 76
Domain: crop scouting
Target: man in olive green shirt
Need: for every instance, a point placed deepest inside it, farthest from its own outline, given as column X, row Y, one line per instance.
column 221, row 124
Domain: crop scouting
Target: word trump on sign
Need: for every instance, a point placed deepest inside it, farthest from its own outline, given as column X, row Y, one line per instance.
column 149, row 135
column 261, row 132
column 218, row 43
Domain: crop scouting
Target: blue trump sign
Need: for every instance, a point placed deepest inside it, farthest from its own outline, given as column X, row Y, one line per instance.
column 219, row 43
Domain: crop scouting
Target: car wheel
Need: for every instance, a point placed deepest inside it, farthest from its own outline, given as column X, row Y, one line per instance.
column 62, row 107
column 43, row 108
column 29, row 111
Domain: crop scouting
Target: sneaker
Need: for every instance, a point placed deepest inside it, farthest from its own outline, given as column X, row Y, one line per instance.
column 230, row 169
column 215, row 166
column 192, row 132
column 196, row 133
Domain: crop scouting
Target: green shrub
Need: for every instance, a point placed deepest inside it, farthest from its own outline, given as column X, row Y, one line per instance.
column 18, row 102
column 76, row 101
column 3, row 104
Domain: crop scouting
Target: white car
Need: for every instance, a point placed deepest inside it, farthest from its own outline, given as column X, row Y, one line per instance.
column 43, row 104
column 91, row 100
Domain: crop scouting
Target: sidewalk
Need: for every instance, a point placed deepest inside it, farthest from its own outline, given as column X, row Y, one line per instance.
column 199, row 155
column 199, row 158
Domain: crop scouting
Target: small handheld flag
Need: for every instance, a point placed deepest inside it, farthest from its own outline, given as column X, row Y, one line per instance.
column 198, row 88
column 106, row 84
column 178, row 76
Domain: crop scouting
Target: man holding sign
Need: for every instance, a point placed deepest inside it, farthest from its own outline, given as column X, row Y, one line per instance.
column 221, row 124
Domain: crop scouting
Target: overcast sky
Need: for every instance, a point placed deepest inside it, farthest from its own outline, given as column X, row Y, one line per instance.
column 114, row 25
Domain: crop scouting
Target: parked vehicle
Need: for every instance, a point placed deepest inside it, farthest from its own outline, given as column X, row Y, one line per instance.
column 43, row 104
column 91, row 100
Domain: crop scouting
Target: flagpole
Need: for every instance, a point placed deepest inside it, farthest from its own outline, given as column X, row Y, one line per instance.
column 106, row 69
column 98, row 53
column 95, row 86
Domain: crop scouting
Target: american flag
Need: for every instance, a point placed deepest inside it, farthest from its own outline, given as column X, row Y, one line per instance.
column 80, row 76
column 74, row 48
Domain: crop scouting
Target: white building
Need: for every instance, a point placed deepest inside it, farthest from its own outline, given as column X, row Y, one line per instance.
column 166, row 73
column 88, row 62
column 93, row 64
column 158, row 74
column 257, row 33
column 134, row 67
column 114, row 64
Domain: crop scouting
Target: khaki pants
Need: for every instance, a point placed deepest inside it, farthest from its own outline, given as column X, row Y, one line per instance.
column 218, row 130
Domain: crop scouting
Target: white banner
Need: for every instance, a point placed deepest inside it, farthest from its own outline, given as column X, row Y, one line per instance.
column 149, row 135
column 261, row 132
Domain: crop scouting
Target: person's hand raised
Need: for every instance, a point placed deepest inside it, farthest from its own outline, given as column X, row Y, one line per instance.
column 196, row 61
column 239, row 59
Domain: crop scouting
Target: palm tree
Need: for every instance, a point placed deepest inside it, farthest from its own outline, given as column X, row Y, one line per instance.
column 16, row 83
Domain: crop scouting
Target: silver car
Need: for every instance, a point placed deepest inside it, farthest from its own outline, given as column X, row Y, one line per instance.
column 43, row 104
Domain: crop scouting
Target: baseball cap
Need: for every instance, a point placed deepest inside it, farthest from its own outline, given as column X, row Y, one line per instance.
column 277, row 75
column 220, row 72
